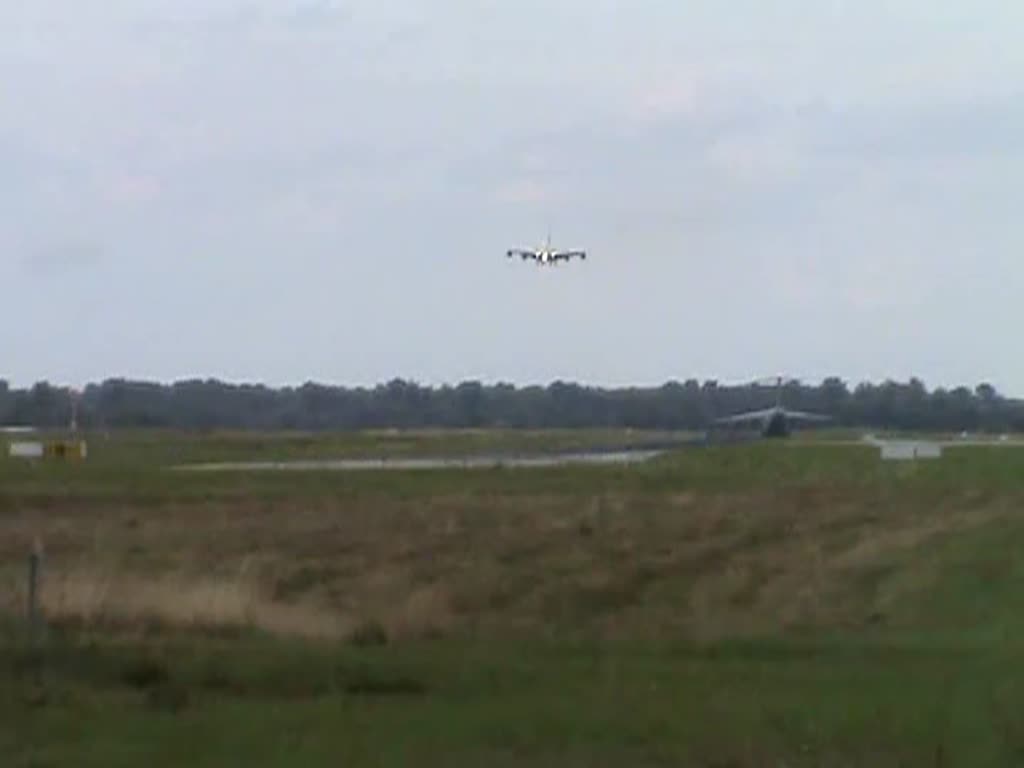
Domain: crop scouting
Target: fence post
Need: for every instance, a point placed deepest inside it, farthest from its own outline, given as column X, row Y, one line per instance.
column 35, row 612
column 35, row 617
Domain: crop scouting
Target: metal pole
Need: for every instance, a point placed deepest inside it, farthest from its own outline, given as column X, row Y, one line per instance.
column 35, row 567
column 35, row 612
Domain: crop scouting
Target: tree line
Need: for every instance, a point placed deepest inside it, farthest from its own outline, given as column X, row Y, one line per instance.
column 211, row 404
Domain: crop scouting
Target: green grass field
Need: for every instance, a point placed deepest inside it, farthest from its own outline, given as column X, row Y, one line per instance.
column 792, row 603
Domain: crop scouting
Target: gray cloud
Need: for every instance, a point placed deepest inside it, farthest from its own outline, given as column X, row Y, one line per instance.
column 60, row 258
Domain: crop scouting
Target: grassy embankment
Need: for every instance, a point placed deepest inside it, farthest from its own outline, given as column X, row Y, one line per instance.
column 731, row 606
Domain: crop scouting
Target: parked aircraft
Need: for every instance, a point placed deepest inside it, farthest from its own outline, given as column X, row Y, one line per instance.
column 775, row 421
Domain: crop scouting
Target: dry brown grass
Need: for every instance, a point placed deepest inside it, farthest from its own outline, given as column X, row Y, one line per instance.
column 127, row 602
column 703, row 565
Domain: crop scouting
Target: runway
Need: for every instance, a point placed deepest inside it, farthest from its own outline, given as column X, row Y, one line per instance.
column 431, row 463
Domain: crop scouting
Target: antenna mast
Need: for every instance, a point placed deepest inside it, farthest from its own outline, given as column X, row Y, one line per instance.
column 74, row 410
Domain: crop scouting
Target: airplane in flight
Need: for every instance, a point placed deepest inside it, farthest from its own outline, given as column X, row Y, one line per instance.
column 546, row 255
column 775, row 421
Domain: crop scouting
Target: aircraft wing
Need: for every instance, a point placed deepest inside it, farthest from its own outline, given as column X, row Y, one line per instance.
column 566, row 255
column 524, row 254
column 804, row 416
column 748, row 416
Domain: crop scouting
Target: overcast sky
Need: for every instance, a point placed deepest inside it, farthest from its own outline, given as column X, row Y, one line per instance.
column 283, row 191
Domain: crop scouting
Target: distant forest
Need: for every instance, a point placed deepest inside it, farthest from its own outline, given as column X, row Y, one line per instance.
column 210, row 404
